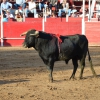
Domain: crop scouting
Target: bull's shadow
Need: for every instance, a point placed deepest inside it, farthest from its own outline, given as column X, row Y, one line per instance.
column 6, row 43
column 11, row 81
column 76, row 78
column 90, row 77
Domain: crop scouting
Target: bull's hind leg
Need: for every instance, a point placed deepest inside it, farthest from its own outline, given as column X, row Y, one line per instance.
column 82, row 68
column 82, row 62
column 75, row 63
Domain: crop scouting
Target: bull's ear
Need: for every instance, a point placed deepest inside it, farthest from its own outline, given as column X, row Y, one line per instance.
column 23, row 34
column 35, row 34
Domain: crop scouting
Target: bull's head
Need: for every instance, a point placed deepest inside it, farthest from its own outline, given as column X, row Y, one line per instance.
column 30, row 38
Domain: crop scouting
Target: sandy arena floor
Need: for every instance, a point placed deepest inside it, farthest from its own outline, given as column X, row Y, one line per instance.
column 23, row 76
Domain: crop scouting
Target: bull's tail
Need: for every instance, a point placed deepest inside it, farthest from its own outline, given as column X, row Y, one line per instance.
column 91, row 65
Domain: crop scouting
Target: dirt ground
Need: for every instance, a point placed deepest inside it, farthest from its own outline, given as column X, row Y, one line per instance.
column 23, row 76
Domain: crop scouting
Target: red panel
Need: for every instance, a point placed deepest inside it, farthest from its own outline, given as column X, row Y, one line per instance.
column 14, row 29
column 33, row 19
column 61, row 27
column 70, row 19
column 93, row 33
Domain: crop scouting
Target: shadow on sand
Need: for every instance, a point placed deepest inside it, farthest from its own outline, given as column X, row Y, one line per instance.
column 11, row 81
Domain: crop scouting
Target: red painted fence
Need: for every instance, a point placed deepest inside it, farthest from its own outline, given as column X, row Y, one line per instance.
column 92, row 32
column 12, row 30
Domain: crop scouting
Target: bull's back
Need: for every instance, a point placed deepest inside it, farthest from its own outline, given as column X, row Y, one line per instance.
column 74, row 45
column 78, row 38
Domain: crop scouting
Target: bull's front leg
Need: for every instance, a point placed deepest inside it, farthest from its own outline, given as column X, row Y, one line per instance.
column 50, row 64
column 50, row 75
column 50, row 68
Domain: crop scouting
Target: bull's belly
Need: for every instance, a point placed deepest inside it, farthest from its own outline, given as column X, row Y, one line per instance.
column 68, row 56
column 63, row 57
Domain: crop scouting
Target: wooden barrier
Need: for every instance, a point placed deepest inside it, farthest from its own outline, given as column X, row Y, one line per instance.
column 12, row 30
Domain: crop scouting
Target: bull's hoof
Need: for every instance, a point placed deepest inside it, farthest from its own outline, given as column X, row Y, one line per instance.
column 51, row 80
column 95, row 75
column 80, row 78
column 72, row 78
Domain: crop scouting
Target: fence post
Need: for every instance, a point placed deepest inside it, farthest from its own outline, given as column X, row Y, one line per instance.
column 92, row 7
column 89, row 12
column 83, row 21
column 1, row 29
column 45, row 14
column 66, row 17
column 43, row 21
column 23, row 15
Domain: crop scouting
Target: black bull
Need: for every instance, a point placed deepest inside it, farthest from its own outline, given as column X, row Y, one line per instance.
column 73, row 47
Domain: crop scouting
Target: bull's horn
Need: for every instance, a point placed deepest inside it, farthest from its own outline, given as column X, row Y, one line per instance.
column 23, row 34
column 35, row 34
